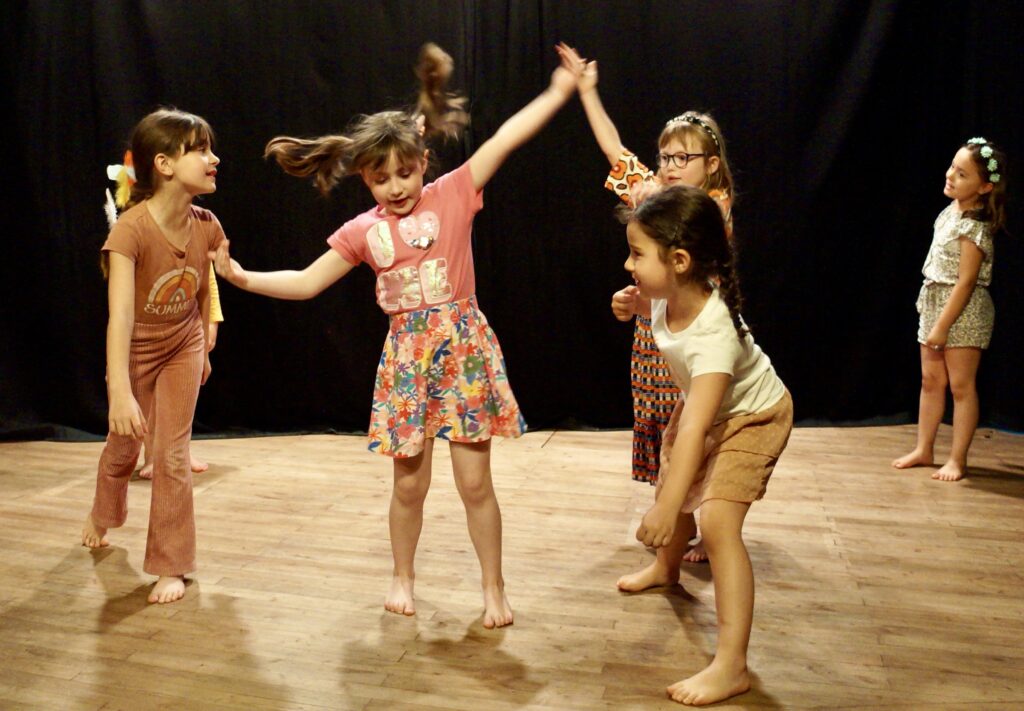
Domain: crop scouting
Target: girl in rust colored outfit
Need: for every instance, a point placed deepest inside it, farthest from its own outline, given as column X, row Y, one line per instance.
column 157, row 355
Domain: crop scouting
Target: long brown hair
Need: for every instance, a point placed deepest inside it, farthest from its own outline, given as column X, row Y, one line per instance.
column 371, row 139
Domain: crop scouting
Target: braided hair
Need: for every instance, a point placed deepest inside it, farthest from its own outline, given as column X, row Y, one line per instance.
column 683, row 217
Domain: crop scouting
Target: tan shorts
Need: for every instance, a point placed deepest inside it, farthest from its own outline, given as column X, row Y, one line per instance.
column 739, row 454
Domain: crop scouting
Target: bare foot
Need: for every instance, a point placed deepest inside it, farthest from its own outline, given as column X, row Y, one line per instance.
column 696, row 554
column 168, row 589
column 93, row 536
column 654, row 575
column 497, row 611
column 950, row 471
column 198, row 466
column 714, row 683
column 400, row 599
column 917, row 458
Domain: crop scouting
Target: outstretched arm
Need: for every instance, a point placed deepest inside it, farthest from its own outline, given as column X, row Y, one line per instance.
column 523, row 125
column 600, row 122
column 287, row 284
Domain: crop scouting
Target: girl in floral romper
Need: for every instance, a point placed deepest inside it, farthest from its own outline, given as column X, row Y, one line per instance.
column 956, row 310
column 441, row 373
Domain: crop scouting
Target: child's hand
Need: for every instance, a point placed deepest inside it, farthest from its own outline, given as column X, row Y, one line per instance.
column 657, row 527
column 588, row 78
column 227, row 267
column 624, row 303
column 125, row 417
column 567, row 74
column 207, row 368
column 640, row 191
column 211, row 336
column 937, row 338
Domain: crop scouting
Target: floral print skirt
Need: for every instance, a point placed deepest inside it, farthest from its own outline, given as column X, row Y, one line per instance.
column 441, row 375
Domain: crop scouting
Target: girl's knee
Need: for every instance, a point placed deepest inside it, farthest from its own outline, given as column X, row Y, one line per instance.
column 963, row 389
column 411, row 490
column 934, row 381
column 475, row 489
column 721, row 522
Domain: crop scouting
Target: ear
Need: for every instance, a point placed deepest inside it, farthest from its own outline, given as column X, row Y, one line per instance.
column 986, row 188
column 713, row 163
column 681, row 261
column 163, row 166
column 426, row 158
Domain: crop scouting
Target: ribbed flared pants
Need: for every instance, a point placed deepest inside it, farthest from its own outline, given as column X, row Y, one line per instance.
column 166, row 367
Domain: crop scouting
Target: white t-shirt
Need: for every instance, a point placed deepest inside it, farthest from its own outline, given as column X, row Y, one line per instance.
column 711, row 345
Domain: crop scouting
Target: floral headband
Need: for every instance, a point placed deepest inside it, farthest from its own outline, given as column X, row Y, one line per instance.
column 690, row 117
column 986, row 152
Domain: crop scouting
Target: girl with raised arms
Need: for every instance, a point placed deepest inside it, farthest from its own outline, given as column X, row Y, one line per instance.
column 441, row 373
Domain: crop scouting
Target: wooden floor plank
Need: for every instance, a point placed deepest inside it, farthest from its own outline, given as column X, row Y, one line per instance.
column 876, row 589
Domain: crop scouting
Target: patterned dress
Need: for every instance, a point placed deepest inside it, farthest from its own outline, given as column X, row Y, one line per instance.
column 973, row 327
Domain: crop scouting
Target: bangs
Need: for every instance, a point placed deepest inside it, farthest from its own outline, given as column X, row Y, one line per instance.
column 199, row 136
column 688, row 134
column 378, row 155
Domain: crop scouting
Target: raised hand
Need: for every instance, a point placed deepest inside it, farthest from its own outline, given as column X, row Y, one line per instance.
column 567, row 73
column 588, row 78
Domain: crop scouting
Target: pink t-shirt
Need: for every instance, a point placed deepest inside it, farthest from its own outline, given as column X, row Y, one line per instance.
column 409, row 277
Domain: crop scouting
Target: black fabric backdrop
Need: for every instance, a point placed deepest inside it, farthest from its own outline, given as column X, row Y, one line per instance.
column 841, row 118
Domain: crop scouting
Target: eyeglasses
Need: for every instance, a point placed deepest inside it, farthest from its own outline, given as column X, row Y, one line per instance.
column 678, row 159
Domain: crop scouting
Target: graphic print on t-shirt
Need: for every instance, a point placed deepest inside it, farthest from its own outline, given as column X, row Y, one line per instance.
column 173, row 292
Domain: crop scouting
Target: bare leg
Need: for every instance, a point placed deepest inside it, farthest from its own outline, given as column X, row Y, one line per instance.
column 665, row 568
column 471, row 463
column 722, row 524
column 930, row 409
column 405, row 520
column 962, row 365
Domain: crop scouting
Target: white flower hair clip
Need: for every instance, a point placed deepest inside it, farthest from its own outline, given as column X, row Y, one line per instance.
column 977, row 141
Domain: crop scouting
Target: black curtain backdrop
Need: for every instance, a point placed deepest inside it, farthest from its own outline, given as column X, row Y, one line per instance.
column 840, row 117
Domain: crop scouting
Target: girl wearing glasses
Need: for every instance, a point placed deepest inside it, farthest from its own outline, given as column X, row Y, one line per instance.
column 691, row 151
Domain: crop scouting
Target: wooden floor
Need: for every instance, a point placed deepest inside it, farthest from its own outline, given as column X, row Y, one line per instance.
column 875, row 588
